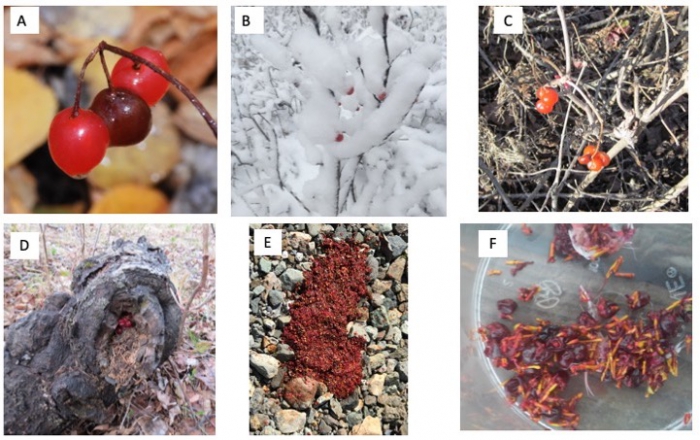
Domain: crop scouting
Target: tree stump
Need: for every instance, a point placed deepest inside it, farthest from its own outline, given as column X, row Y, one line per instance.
column 66, row 363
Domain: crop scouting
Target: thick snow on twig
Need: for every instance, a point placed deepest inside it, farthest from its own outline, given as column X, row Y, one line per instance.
column 349, row 120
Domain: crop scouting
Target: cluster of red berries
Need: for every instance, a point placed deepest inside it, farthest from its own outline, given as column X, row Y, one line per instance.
column 124, row 323
column 119, row 115
column 593, row 158
column 546, row 98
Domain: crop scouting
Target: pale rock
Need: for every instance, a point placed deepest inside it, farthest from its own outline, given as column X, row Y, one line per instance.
column 369, row 426
column 264, row 364
column 290, row 421
column 396, row 269
column 376, row 384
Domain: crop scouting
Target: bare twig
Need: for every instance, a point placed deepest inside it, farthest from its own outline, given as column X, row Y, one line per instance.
column 663, row 101
column 669, row 196
column 483, row 167
column 565, row 31
column 202, row 280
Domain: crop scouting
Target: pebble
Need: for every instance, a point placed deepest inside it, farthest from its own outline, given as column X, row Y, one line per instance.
column 396, row 269
column 324, row 398
column 283, row 320
column 385, row 227
column 290, row 421
column 393, row 335
column 275, row 298
column 376, row 361
column 313, row 229
column 276, row 381
column 394, row 317
column 297, row 239
column 336, row 408
column 369, row 426
column 379, row 318
column 380, row 286
column 357, row 330
column 264, row 364
column 351, row 402
column 395, row 246
column 259, row 421
column 271, row 282
column 374, row 267
column 376, row 384
column 300, row 392
column 371, row 332
column 404, row 328
column 401, row 228
column 353, row 418
column 258, row 290
column 323, row 428
column 269, row 324
column 280, row 268
column 389, row 400
column 269, row 430
column 391, row 380
column 391, row 414
column 265, row 265
column 255, row 305
column 341, row 233
column 291, row 278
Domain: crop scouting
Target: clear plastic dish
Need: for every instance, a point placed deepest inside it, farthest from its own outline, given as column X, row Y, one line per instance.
column 659, row 256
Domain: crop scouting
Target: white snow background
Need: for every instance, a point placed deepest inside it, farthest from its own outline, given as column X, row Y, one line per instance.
column 340, row 111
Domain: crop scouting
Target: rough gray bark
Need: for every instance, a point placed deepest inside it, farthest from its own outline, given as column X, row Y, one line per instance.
column 66, row 363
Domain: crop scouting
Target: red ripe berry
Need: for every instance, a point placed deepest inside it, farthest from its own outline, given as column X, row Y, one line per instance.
column 543, row 107
column 548, row 95
column 77, row 144
column 603, row 157
column 128, row 323
column 140, row 79
column 585, row 159
column 127, row 116
column 339, row 137
column 350, row 91
column 595, row 164
column 590, row 149
column 381, row 96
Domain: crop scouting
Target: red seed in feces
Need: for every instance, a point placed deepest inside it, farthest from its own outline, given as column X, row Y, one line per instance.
column 119, row 330
column 606, row 309
column 507, row 307
column 339, row 137
column 382, row 96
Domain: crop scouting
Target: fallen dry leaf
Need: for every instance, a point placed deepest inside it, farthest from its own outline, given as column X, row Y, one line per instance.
column 29, row 109
column 191, row 122
column 20, row 190
column 131, row 199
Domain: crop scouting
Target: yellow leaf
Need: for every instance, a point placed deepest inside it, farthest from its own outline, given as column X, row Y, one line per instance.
column 29, row 109
column 131, row 199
